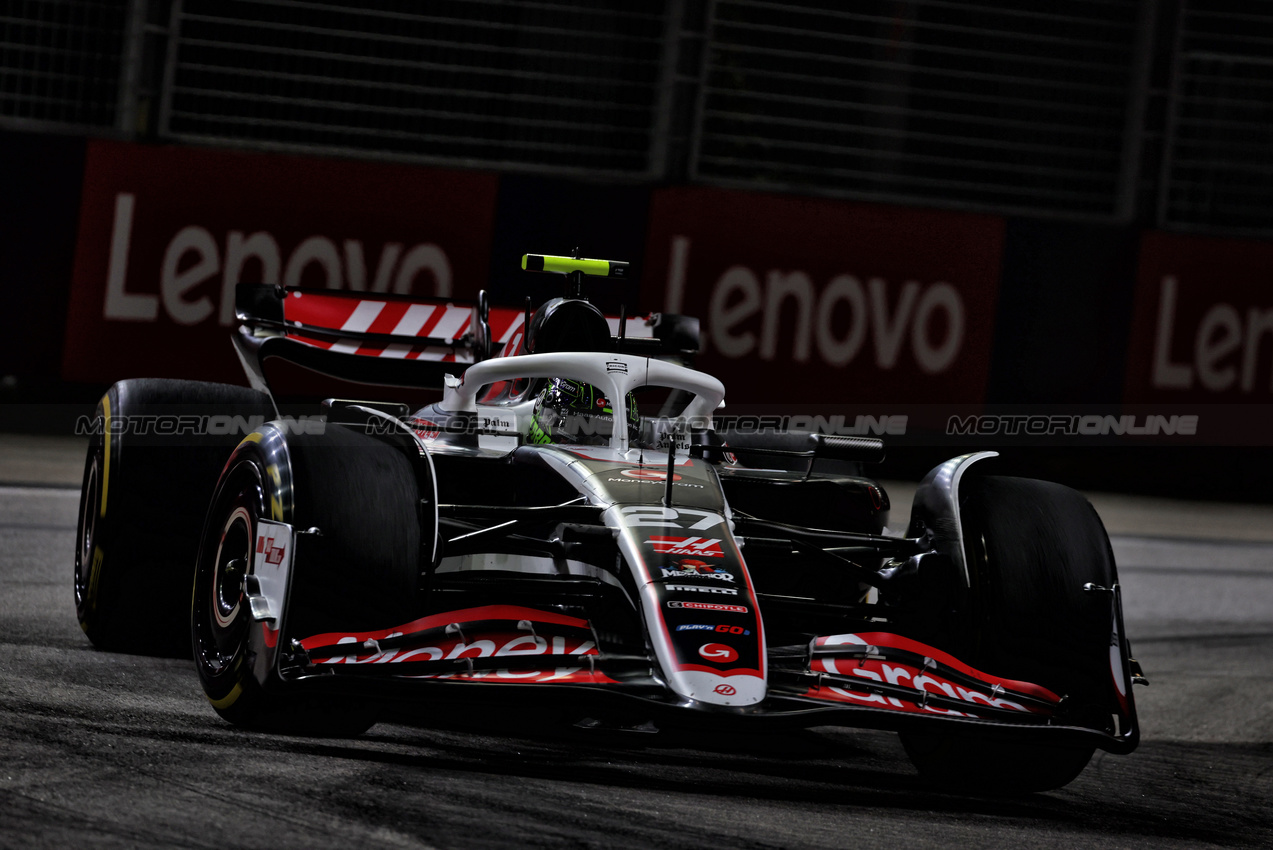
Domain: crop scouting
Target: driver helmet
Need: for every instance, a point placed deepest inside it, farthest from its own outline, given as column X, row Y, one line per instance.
column 571, row 412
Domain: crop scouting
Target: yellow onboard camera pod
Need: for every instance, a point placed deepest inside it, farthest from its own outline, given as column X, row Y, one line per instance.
column 568, row 265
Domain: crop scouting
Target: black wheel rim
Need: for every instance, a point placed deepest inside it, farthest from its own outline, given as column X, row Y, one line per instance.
column 221, row 618
column 86, row 536
column 229, row 567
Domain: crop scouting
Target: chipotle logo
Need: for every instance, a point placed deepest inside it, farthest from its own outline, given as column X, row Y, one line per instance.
column 167, row 233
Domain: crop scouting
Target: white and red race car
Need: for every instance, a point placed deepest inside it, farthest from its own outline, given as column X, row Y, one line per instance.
column 532, row 534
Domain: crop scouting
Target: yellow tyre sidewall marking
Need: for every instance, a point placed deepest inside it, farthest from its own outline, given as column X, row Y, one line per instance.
column 94, row 574
column 230, row 698
column 106, row 435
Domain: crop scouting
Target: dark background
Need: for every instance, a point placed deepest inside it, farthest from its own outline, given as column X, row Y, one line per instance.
column 1083, row 129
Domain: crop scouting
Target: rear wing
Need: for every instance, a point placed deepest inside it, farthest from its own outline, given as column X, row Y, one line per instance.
column 394, row 340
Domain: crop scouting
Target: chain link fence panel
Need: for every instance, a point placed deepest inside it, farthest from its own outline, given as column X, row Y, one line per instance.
column 555, row 86
column 60, row 62
column 1002, row 107
column 1218, row 170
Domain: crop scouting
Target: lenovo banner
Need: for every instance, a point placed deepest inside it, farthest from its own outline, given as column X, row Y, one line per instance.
column 811, row 303
column 1202, row 322
column 165, row 234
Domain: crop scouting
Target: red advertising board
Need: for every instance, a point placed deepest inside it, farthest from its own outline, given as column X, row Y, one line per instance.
column 165, row 233
column 1202, row 321
column 810, row 303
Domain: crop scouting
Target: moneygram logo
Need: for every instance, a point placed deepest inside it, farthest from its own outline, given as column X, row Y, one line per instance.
column 718, row 653
column 648, row 474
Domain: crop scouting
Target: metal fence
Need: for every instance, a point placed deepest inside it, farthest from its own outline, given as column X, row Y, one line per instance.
column 989, row 105
column 921, row 102
column 60, row 62
column 557, row 86
column 1218, row 168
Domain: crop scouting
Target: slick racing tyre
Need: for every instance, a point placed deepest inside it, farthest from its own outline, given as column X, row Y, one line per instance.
column 155, row 451
column 1031, row 546
column 357, row 501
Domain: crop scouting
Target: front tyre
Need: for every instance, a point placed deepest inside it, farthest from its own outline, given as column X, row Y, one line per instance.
column 1031, row 546
column 220, row 621
column 360, row 572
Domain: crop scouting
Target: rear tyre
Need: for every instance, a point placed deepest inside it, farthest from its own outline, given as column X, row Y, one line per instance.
column 1030, row 547
column 151, row 467
column 358, row 572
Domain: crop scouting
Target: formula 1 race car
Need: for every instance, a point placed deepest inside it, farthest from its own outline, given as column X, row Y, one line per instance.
column 542, row 531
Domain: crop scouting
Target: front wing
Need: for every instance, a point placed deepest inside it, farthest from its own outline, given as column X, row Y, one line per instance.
column 868, row 679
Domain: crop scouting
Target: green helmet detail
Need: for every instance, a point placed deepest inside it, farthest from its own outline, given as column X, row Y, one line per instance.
column 571, row 412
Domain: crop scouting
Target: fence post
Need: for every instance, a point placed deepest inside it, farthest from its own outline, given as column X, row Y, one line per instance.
column 665, row 99
column 170, row 70
column 1162, row 214
column 1126, row 201
column 130, row 68
column 700, row 94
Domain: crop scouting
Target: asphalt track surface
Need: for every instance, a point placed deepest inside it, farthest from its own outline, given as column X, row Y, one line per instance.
column 106, row 750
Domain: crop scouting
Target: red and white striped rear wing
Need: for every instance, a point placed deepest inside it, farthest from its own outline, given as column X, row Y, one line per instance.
column 395, row 340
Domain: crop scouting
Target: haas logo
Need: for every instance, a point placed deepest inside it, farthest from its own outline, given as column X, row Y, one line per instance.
column 718, row 653
column 703, row 547
column 725, row 690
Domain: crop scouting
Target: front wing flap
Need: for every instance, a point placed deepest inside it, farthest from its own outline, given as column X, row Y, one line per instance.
column 870, row 679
